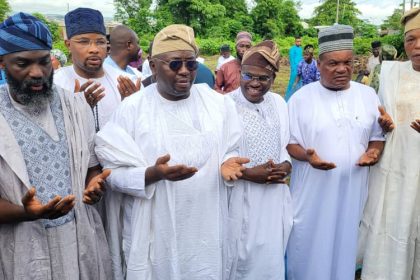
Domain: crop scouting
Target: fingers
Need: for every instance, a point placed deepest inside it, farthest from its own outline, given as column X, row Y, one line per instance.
column 76, row 86
column 179, row 172
column 323, row 165
column 29, row 195
column 310, row 152
column 241, row 160
column 138, row 84
column 416, row 125
column 126, row 87
column 83, row 87
column 94, row 92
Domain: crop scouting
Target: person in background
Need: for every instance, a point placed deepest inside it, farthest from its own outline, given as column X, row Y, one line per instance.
column 224, row 57
column 388, row 53
column 307, row 68
column 228, row 76
column 58, row 58
column 373, row 60
column 295, row 56
column 146, row 71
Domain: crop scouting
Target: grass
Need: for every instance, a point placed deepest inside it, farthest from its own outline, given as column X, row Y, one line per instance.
column 280, row 83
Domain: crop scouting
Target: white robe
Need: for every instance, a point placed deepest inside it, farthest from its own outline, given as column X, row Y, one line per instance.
column 328, row 204
column 260, row 216
column 65, row 78
column 389, row 233
column 174, row 230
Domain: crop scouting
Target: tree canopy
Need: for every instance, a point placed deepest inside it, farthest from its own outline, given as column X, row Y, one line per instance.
column 4, row 9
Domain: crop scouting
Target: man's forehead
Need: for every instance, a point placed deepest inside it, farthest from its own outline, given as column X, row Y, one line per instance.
column 89, row 36
column 33, row 55
column 179, row 54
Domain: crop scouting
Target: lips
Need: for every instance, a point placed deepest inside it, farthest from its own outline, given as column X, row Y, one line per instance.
column 37, row 87
column 94, row 60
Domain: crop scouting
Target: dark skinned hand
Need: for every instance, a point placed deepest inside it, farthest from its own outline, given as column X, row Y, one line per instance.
column 416, row 125
column 267, row 173
column 172, row 173
column 93, row 92
column 54, row 209
column 385, row 120
column 126, row 87
column 370, row 157
column 316, row 162
column 95, row 189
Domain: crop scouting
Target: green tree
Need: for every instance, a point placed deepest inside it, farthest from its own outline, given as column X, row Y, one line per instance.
column 276, row 18
column 52, row 26
column 4, row 9
column 201, row 15
column 325, row 14
column 130, row 9
column 393, row 21
column 366, row 30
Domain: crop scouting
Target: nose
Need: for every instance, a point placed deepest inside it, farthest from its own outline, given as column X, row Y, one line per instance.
column 183, row 70
column 341, row 68
column 93, row 48
column 36, row 72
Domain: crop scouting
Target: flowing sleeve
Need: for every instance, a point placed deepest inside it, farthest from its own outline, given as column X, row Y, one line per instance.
column 232, row 130
column 117, row 150
column 284, row 129
column 295, row 136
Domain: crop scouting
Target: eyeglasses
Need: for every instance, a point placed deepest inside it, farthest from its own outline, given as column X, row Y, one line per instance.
column 176, row 64
column 100, row 43
column 248, row 77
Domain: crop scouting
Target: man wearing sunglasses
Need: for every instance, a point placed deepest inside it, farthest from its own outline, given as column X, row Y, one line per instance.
column 169, row 149
column 87, row 43
column 228, row 76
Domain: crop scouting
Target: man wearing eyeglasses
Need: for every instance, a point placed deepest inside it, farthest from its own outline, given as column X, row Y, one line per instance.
column 260, row 210
column 169, row 149
column 86, row 41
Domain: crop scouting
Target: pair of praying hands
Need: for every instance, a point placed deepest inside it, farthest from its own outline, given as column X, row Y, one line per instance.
column 268, row 173
column 94, row 91
column 58, row 206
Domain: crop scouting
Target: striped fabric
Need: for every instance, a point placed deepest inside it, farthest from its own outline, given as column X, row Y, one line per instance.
column 23, row 32
column 335, row 38
column 83, row 21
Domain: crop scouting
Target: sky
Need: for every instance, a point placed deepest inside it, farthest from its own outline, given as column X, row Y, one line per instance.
column 373, row 10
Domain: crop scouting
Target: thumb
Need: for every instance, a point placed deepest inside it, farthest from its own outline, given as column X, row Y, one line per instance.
column 241, row 160
column 76, row 85
column 381, row 110
column 29, row 195
column 105, row 173
column 310, row 152
column 164, row 159
column 138, row 83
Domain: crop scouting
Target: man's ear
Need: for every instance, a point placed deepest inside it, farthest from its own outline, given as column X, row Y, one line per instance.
column 152, row 64
column 67, row 43
column 1, row 62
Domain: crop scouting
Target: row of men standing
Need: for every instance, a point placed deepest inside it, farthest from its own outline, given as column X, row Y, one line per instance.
column 176, row 209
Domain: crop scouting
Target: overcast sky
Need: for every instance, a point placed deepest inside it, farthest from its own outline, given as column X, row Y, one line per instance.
column 373, row 10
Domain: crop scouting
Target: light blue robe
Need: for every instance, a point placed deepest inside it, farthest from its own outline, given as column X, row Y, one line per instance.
column 295, row 56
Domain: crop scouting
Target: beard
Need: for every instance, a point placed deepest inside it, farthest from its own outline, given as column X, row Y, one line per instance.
column 23, row 94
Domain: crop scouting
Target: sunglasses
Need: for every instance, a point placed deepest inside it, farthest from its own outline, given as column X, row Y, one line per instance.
column 176, row 64
column 248, row 77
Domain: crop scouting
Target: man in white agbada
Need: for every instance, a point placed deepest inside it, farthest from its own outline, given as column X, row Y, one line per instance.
column 334, row 135
column 389, row 234
column 260, row 212
column 102, row 84
column 47, row 167
column 168, row 148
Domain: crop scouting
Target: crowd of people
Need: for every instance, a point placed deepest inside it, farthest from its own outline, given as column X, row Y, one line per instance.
column 110, row 174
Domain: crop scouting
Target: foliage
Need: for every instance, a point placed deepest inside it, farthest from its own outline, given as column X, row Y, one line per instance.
column 52, row 26
column 325, row 14
column 4, row 9
column 129, row 9
column 366, row 30
column 276, row 17
column 397, row 41
column 393, row 21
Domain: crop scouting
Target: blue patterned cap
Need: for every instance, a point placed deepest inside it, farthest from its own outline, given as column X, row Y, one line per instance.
column 84, row 20
column 23, row 32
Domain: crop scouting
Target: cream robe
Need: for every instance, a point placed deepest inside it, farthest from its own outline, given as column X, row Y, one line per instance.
column 173, row 230
column 389, row 233
column 260, row 215
column 328, row 204
column 24, row 250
